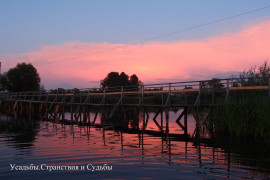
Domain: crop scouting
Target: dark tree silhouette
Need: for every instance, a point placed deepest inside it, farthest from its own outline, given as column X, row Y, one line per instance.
column 213, row 83
column 134, row 80
column 114, row 79
column 123, row 79
column 24, row 77
column 254, row 76
column 111, row 80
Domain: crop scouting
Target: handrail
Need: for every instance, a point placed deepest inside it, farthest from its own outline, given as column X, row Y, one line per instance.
column 227, row 83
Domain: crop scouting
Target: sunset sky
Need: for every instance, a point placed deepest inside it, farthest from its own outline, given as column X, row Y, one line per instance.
column 77, row 43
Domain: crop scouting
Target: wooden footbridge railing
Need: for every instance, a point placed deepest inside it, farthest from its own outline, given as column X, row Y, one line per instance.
column 83, row 96
column 55, row 104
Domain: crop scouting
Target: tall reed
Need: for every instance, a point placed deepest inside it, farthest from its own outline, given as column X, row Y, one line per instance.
column 247, row 115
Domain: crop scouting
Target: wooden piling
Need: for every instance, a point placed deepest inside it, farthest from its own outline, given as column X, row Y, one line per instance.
column 185, row 121
column 71, row 113
column 56, row 109
column 63, row 113
column 84, row 115
column 46, row 111
column 167, row 120
column 30, row 110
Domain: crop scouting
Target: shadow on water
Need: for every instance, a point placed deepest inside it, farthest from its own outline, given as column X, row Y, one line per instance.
column 22, row 132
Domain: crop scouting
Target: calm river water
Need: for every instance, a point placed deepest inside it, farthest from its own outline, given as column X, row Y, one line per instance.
column 34, row 149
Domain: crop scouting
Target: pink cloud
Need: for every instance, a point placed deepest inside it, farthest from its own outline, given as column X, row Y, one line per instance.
column 79, row 63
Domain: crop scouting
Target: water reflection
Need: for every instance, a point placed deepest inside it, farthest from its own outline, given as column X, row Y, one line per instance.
column 130, row 144
column 21, row 133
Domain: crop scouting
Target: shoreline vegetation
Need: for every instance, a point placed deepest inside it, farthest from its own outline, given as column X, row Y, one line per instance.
column 244, row 115
column 247, row 116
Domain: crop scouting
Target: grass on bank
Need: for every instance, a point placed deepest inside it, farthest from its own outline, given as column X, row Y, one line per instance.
column 246, row 115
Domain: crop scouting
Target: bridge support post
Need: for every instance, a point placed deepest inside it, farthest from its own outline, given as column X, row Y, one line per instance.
column 57, row 106
column 63, row 112
column 213, row 96
column 161, row 120
column 269, row 85
column 15, row 105
column 88, row 115
column 15, row 109
column 145, row 114
column 21, row 109
column 167, row 120
column 40, row 111
column 155, row 121
column 30, row 110
column 85, row 114
column 227, row 91
column 94, row 118
column 142, row 94
column 46, row 112
column 80, row 114
column 71, row 113
column 185, row 121
column 183, row 114
column 197, row 102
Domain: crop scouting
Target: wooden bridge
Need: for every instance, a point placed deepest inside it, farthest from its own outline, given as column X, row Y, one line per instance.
column 77, row 103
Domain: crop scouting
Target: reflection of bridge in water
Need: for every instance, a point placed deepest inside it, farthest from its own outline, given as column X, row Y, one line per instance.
column 164, row 146
column 74, row 106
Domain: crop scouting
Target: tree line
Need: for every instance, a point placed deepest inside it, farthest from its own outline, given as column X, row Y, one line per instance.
column 254, row 76
column 24, row 77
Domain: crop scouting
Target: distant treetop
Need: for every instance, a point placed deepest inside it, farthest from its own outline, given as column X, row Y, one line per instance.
column 254, row 76
column 115, row 79
column 23, row 77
